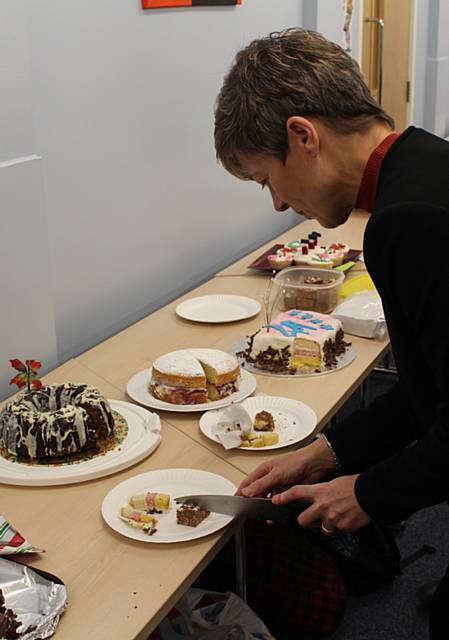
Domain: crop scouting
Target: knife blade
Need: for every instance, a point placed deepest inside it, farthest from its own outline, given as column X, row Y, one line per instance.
column 255, row 508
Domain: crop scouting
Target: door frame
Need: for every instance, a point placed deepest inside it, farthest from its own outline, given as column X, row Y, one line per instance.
column 412, row 57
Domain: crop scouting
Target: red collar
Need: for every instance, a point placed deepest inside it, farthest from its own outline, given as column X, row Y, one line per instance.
column 366, row 198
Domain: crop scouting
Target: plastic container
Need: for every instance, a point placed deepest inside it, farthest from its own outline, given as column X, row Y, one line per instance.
column 308, row 289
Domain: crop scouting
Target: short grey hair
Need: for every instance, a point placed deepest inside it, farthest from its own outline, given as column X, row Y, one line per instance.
column 288, row 73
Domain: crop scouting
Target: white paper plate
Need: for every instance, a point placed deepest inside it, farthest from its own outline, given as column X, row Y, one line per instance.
column 175, row 482
column 342, row 361
column 138, row 389
column 218, row 308
column 294, row 420
column 143, row 437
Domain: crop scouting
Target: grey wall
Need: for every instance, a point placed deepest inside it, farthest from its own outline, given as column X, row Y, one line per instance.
column 418, row 80
column 436, row 99
column 27, row 325
column 327, row 17
column 122, row 206
column 330, row 20
column 112, row 203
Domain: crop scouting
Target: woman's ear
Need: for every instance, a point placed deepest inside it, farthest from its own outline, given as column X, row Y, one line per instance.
column 302, row 135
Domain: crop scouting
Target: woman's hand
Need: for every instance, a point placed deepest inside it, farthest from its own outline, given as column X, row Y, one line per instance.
column 333, row 503
column 307, row 465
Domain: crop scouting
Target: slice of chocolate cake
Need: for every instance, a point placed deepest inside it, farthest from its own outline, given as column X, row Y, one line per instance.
column 191, row 514
column 8, row 621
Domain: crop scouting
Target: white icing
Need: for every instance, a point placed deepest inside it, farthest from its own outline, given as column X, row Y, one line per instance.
column 179, row 363
column 220, row 360
column 272, row 337
column 186, row 362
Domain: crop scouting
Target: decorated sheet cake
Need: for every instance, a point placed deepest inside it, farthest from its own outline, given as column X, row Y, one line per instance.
column 297, row 341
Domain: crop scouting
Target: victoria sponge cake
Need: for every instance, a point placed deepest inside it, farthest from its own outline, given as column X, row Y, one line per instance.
column 194, row 376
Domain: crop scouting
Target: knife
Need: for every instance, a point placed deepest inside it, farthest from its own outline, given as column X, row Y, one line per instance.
column 255, row 508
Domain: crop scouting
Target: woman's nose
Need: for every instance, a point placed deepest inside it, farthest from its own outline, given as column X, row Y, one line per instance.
column 278, row 204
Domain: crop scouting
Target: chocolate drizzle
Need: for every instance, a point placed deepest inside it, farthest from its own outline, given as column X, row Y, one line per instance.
column 55, row 421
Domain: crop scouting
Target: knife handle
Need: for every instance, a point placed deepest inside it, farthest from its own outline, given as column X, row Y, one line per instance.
column 294, row 508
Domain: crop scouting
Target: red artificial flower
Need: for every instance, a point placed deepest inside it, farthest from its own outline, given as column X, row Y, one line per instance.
column 33, row 364
column 18, row 364
column 27, row 376
column 19, row 380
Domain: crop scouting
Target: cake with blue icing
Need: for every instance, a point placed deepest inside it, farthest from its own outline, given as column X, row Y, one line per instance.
column 297, row 341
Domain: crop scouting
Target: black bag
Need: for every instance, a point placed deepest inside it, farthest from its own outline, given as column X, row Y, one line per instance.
column 366, row 559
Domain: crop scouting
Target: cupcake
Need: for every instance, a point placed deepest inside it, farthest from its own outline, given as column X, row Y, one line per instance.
column 294, row 244
column 279, row 261
column 340, row 246
column 320, row 262
column 337, row 256
column 302, row 259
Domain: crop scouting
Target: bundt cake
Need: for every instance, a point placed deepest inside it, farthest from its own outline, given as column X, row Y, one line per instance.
column 55, row 421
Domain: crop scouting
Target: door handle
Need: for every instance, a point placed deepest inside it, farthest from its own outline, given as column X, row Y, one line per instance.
column 381, row 24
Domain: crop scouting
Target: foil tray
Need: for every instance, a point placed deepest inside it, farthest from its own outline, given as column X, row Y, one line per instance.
column 36, row 597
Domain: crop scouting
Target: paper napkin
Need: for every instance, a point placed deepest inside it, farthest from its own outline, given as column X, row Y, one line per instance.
column 232, row 423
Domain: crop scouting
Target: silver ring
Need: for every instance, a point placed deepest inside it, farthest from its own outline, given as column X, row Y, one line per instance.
column 326, row 530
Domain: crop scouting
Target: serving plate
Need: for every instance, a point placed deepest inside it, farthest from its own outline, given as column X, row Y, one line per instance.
column 175, row 482
column 138, row 389
column 218, row 308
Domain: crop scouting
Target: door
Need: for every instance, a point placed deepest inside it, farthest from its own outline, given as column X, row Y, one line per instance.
column 386, row 55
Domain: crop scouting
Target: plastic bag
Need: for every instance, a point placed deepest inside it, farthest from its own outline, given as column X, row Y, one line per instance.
column 209, row 615
column 361, row 314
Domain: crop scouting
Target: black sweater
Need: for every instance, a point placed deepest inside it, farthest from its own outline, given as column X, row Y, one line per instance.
column 400, row 443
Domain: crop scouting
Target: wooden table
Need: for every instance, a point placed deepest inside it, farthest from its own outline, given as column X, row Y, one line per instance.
column 118, row 588
column 135, row 348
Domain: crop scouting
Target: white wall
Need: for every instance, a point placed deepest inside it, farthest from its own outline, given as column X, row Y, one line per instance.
column 133, row 210
column 430, row 81
column 436, row 102
column 330, row 21
column 419, row 55
column 27, row 326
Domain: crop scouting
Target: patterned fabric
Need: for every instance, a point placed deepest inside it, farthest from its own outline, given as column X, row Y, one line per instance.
column 292, row 584
column 366, row 198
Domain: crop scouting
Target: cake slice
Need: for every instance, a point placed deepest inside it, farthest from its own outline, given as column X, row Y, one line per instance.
column 150, row 501
column 139, row 519
column 9, row 624
column 257, row 439
column 191, row 514
column 263, row 421
column 221, row 369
